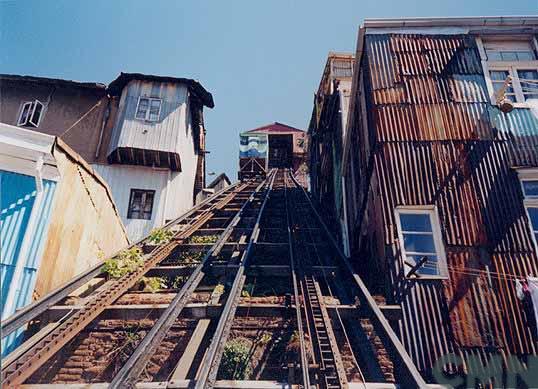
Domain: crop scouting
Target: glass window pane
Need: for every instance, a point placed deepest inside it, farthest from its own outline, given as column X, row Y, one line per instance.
column 419, row 243
column 493, row 55
column 508, row 55
column 415, row 222
column 142, row 108
column 36, row 113
column 499, row 75
column 25, row 114
column 429, row 267
column 530, row 188
column 533, row 215
column 154, row 107
column 528, row 79
column 526, row 56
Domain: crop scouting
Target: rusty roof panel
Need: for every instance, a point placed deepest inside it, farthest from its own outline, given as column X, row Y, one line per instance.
column 383, row 69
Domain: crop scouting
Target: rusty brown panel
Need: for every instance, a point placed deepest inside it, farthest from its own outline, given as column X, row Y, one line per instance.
column 467, row 88
column 516, row 323
column 393, row 96
column 446, row 145
column 475, row 314
column 403, row 170
column 383, row 68
column 423, row 327
column 498, row 189
column 472, row 185
column 411, row 173
column 458, row 206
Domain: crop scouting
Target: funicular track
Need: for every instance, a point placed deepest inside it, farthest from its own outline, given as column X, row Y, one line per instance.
column 219, row 207
column 278, row 289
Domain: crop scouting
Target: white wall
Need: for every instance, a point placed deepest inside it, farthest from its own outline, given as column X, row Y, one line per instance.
column 173, row 190
column 182, row 184
column 122, row 179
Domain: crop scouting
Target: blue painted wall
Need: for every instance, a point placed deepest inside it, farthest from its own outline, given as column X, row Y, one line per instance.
column 17, row 198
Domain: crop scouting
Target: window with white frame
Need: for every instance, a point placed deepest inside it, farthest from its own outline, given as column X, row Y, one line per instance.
column 420, row 241
column 518, row 59
column 30, row 114
column 148, row 108
column 529, row 186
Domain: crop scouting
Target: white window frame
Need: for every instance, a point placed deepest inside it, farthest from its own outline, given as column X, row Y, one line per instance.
column 530, row 174
column 28, row 122
column 150, row 99
column 511, row 67
column 430, row 210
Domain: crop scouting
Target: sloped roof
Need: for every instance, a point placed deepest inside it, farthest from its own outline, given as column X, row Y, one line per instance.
column 275, row 127
column 219, row 178
column 53, row 81
column 116, row 86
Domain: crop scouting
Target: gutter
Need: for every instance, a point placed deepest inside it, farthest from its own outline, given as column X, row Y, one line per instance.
column 467, row 21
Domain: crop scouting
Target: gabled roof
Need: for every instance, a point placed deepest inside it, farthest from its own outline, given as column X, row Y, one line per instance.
column 116, row 86
column 275, row 127
column 53, row 81
column 219, row 178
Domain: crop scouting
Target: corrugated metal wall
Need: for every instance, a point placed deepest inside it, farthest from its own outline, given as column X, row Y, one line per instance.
column 165, row 134
column 438, row 141
column 18, row 194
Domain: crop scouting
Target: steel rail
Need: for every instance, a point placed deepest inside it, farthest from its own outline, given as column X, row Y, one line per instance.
column 23, row 367
column 209, row 370
column 38, row 307
column 300, row 329
column 411, row 376
column 326, row 349
column 134, row 366
column 340, row 366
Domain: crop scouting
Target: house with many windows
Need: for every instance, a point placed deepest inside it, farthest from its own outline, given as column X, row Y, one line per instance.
column 144, row 134
column 439, row 183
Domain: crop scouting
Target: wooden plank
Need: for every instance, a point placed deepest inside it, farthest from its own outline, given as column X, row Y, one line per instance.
column 185, row 362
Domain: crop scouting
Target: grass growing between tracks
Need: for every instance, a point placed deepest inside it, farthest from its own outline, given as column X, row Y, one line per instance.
column 235, row 360
column 204, row 239
column 160, row 236
column 125, row 262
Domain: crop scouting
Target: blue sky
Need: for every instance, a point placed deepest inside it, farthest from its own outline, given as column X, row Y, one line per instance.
column 262, row 60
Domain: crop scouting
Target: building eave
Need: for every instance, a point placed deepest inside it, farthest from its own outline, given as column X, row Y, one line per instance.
column 53, row 81
column 115, row 87
column 483, row 21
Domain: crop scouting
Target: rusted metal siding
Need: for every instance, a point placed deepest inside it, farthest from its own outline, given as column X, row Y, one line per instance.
column 436, row 140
